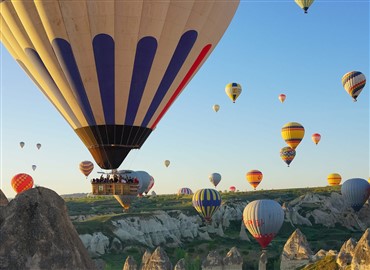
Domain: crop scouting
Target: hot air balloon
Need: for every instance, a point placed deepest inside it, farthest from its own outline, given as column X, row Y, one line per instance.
column 113, row 68
column 233, row 90
column 304, row 4
column 151, row 184
column 21, row 182
column 184, row 191
column 22, row 144
column 34, row 167
column 316, row 137
column 282, row 98
column 206, row 201
column 263, row 219
column 38, row 145
column 216, row 107
column 292, row 133
column 86, row 167
column 334, row 179
column 254, row 178
column 356, row 192
column 144, row 181
column 215, row 178
column 353, row 82
column 167, row 163
column 232, row 189
column 287, row 154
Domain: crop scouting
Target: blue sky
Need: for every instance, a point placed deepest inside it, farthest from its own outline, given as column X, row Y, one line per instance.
column 270, row 47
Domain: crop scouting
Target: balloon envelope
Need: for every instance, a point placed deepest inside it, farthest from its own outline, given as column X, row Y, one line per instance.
column 232, row 188
column 184, row 191
column 334, row 179
column 216, row 107
column 304, row 4
column 38, row 145
column 263, row 219
column 292, row 134
column 151, row 184
column 86, row 167
column 316, row 137
column 282, row 98
column 254, row 178
column 353, row 82
column 21, row 182
column 215, row 178
column 167, row 163
column 356, row 192
column 287, row 154
column 113, row 68
column 34, row 167
column 233, row 91
column 206, row 202
column 125, row 200
column 22, row 144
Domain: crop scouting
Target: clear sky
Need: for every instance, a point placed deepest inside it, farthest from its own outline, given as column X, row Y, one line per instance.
column 270, row 47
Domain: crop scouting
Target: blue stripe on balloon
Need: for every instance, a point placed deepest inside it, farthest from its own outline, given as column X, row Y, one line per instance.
column 65, row 56
column 182, row 51
column 145, row 52
column 103, row 45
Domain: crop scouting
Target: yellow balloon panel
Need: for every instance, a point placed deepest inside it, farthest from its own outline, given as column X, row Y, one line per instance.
column 293, row 134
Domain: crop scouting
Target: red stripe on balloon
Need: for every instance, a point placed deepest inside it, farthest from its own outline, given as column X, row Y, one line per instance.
column 184, row 82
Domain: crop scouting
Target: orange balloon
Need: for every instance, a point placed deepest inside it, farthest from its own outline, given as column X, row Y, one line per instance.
column 316, row 137
column 21, row 182
column 282, row 97
column 254, row 177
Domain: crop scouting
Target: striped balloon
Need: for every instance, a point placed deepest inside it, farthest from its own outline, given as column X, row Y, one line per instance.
column 263, row 219
column 232, row 189
column 215, row 178
column 316, row 137
column 113, row 68
column 282, row 98
column 184, row 191
column 206, row 202
column 292, row 134
column 287, row 154
column 86, row 167
column 334, row 179
column 356, row 191
column 233, row 90
column 254, row 178
column 151, row 184
column 353, row 82
column 304, row 4
column 21, row 182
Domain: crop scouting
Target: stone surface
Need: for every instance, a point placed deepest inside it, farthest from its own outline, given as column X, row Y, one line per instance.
column 3, row 199
column 96, row 244
column 345, row 254
column 180, row 265
column 145, row 259
column 233, row 260
column 130, row 264
column 36, row 233
column 213, row 261
column 361, row 254
column 159, row 261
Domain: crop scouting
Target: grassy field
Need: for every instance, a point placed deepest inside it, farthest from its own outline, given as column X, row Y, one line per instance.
column 107, row 209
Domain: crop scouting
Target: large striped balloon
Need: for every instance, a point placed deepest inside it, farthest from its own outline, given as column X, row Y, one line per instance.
column 353, row 82
column 356, row 191
column 86, row 167
column 254, row 178
column 292, row 133
column 184, row 191
column 206, row 202
column 113, row 68
column 304, row 4
column 334, row 179
column 21, row 182
column 287, row 154
column 233, row 91
column 263, row 219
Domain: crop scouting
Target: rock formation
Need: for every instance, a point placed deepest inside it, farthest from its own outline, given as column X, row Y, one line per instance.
column 180, row 265
column 296, row 252
column 159, row 261
column 36, row 233
column 145, row 259
column 345, row 254
column 3, row 199
column 243, row 234
column 233, row 260
column 213, row 261
column 96, row 244
column 361, row 254
column 130, row 264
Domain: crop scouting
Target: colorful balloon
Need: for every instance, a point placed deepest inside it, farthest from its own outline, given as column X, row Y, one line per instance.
column 304, row 4
column 167, row 163
column 292, row 134
column 353, row 82
column 316, row 137
column 233, row 90
column 151, row 184
column 34, row 167
column 206, row 202
column 184, row 191
column 334, row 179
column 144, row 181
column 22, row 144
column 232, row 189
column 216, row 107
column 38, row 145
column 113, row 68
column 282, row 98
column 215, row 178
column 21, row 182
column 356, row 191
column 287, row 154
column 263, row 219
column 86, row 167
column 254, row 178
